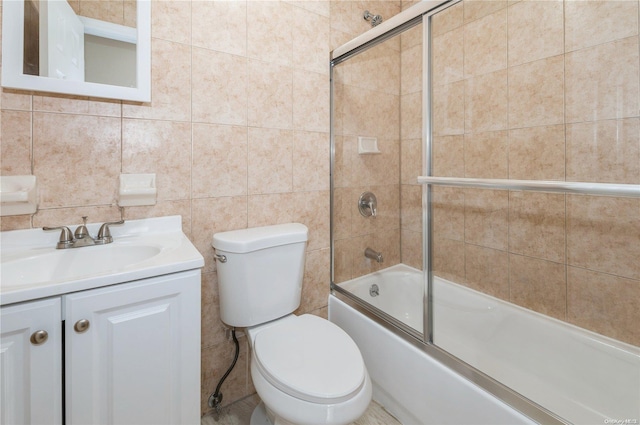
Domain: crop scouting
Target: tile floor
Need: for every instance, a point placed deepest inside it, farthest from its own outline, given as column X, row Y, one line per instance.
column 239, row 413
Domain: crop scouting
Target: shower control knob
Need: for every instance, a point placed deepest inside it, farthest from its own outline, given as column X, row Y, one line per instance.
column 81, row 326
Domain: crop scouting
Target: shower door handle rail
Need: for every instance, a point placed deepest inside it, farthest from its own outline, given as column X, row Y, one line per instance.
column 607, row 189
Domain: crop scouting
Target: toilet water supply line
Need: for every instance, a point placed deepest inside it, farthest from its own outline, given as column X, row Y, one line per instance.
column 215, row 399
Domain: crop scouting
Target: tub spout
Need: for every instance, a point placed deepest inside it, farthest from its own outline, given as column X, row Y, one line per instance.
column 374, row 255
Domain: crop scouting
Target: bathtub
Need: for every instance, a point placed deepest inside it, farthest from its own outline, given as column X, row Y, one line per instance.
column 580, row 376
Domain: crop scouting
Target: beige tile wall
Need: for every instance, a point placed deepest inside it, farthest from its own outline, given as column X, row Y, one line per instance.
column 367, row 102
column 541, row 90
column 237, row 132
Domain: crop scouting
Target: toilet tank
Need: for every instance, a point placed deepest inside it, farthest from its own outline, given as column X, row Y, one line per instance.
column 261, row 279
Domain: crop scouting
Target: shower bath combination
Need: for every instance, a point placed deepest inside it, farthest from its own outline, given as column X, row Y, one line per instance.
column 501, row 245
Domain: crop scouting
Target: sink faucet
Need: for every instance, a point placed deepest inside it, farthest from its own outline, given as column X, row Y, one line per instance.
column 374, row 255
column 81, row 236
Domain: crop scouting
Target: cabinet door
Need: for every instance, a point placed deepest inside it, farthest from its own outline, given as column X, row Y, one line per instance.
column 138, row 362
column 31, row 372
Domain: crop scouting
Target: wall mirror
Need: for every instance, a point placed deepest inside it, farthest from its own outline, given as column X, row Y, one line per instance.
column 78, row 47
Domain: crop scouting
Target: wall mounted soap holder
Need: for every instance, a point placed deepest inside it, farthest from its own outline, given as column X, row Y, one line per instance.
column 137, row 190
column 18, row 195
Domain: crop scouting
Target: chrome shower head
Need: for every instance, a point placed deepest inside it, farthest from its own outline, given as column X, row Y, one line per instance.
column 374, row 19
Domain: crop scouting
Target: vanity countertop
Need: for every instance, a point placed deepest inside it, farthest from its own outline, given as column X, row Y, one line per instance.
column 31, row 267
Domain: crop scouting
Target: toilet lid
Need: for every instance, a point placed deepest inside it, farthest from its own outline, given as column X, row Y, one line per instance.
column 311, row 359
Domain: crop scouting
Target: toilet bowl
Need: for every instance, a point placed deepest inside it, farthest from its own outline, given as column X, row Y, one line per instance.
column 306, row 370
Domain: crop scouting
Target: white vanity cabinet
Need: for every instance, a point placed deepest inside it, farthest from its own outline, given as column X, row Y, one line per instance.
column 138, row 361
column 31, row 363
column 131, row 355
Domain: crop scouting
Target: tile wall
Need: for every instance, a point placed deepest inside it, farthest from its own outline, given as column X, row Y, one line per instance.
column 237, row 132
column 543, row 90
column 379, row 94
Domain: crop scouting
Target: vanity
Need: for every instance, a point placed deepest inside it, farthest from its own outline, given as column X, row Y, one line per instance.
column 101, row 334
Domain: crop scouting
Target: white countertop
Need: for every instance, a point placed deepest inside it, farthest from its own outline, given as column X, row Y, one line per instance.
column 31, row 267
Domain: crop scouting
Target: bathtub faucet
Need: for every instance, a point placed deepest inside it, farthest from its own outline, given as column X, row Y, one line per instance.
column 374, row 255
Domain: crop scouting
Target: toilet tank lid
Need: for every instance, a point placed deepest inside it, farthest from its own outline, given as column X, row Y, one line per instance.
column 255, row 238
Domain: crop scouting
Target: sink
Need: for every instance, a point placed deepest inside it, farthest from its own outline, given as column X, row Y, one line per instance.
column 32, row 268
column 67, row 264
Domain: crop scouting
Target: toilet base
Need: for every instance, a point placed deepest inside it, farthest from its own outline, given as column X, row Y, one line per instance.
column 262, row 416
column 259, row 415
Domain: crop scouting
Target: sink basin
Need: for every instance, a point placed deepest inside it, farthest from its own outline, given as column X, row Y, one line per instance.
column 32, row 268
column 66, row 264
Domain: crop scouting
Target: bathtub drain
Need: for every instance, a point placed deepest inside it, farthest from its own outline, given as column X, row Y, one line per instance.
column 374, row 291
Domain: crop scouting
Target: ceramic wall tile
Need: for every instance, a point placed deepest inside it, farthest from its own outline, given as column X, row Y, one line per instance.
column 601, row 82
column 485, row 102
column 213, row 215
column 476, row 9
column 538, row 285
column 220, row 84
column 310, row 164
column 77, row 105
column 604, row 303
column 171, row 71
column 486, row 215
column 76, row 139
column 447, row 20
column 160, row 147
column 448, row 55
column 270, row 209
column 172, row 20
column 410, row 160
column 486, row 155
column 220, row 26
column 411, row 252
column 485, row 43
column 447, row 205
column 270, row 161
column 589, row 23
column 537, row 153
column 311, row 38
column 603, row 234
column 448, row 109
column 15, row 143
column 271, row 101
column 411, row 70
column 269, row 31
column 537, row 225
column 536, row 30
column 311, row 116
column 312, row 210
column 486, row 270
column 536, row 93
column 220, row 155
column 604, row 151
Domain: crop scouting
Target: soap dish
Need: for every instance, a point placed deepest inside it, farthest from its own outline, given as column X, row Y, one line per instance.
column 137, row 190
column 18, row 195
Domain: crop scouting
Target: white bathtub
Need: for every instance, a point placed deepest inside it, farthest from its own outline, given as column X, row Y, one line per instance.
column 581, row 376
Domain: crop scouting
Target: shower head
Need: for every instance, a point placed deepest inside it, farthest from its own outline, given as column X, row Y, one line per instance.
column 375, row 19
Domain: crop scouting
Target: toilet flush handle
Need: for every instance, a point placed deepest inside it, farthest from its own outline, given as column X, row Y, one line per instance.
column 221, row 258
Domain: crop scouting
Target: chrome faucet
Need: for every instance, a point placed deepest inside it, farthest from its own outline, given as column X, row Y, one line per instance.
column 374, row 255
column 81, row 236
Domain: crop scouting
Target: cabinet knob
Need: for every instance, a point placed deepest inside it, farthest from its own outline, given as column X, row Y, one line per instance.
column 39, row 337
column 81, row 326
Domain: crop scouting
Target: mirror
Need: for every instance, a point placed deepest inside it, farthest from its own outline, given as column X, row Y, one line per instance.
column 78, row 47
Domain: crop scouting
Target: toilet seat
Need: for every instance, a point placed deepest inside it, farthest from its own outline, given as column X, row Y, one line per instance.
column 311, row 359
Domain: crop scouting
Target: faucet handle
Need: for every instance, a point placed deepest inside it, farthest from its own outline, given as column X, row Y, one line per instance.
column 66, row 237
column 104, row 234
column 81, row 231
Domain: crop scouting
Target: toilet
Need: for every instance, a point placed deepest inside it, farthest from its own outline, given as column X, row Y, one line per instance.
column 306, row 370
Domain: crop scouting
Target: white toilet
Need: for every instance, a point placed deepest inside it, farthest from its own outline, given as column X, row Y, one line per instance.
column 306, row 370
